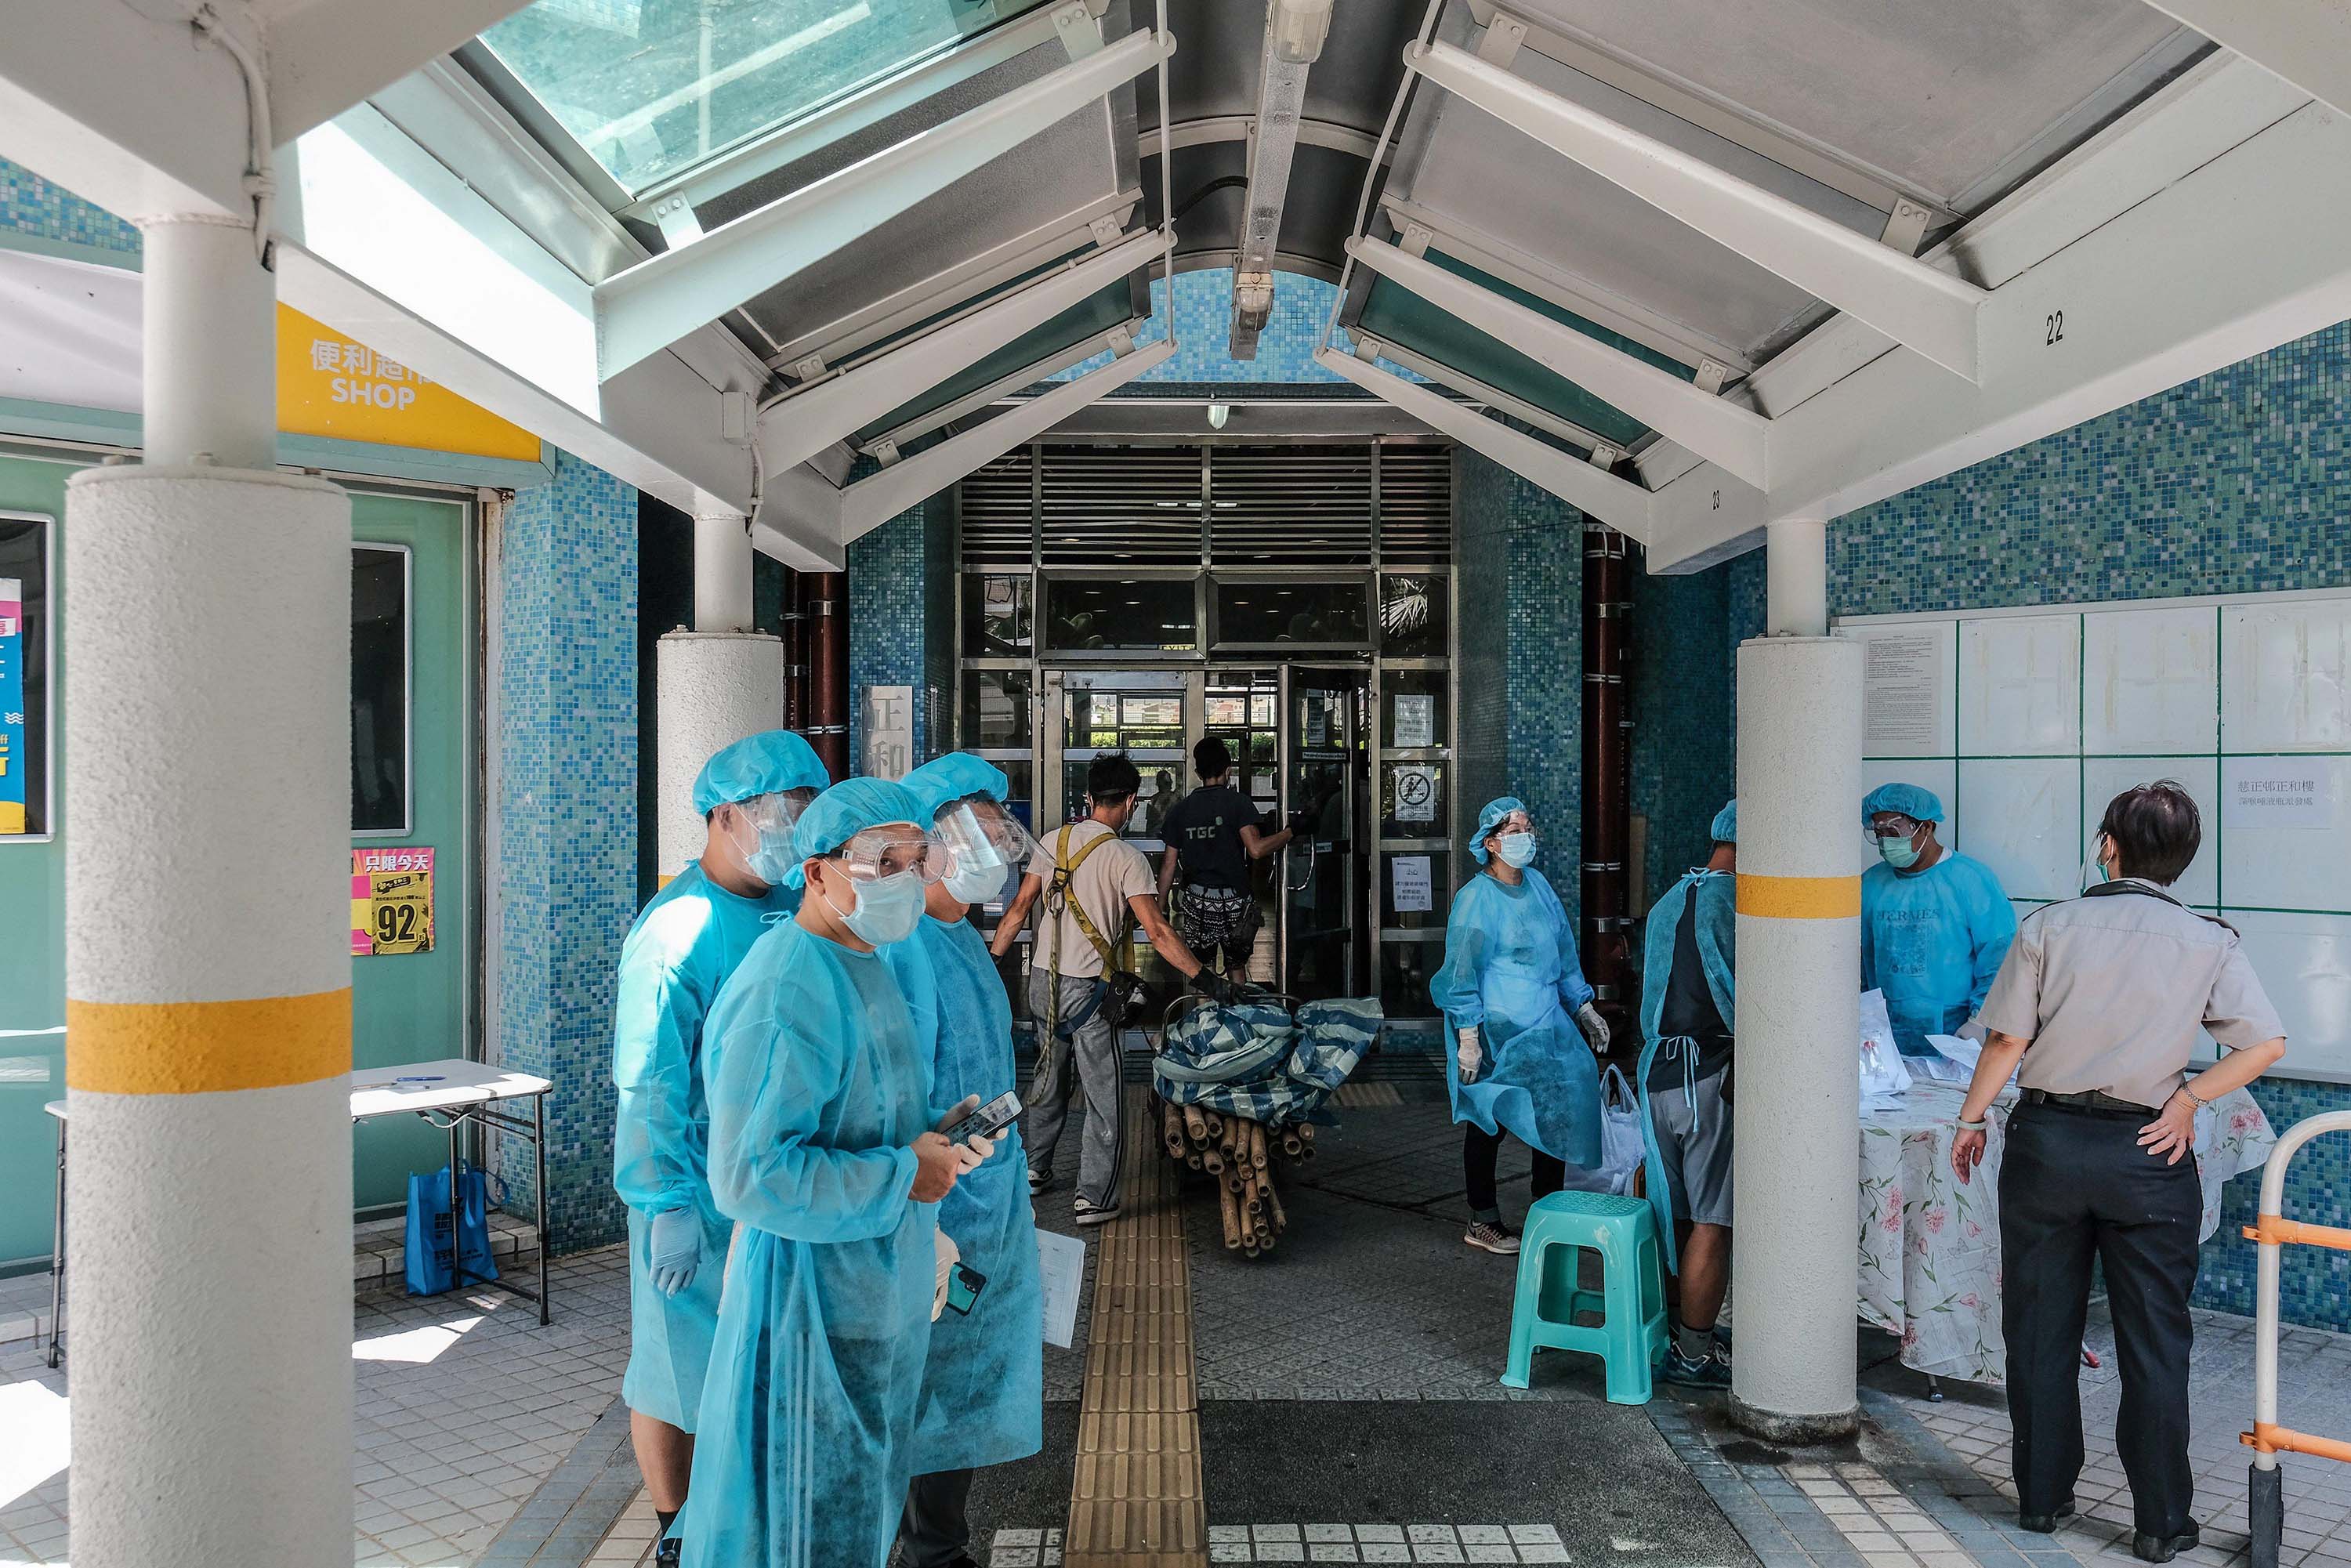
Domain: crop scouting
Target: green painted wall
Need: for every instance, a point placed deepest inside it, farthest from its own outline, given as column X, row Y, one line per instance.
column 408, row 1008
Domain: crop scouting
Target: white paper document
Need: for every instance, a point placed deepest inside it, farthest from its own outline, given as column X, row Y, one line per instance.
column 1409, row 877
column 1062, row 1260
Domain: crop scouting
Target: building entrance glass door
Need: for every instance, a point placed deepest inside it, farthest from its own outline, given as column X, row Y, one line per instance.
column 1324, row 779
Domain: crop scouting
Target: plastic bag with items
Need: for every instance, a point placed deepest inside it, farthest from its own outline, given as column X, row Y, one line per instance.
column 1884, row 1078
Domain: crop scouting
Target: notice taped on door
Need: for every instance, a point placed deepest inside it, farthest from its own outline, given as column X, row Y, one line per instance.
column 392, row 902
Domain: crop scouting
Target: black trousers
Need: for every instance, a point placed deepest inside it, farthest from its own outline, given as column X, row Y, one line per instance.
column 1480, row 1154
column 2074, row 1186
column 935, row 1530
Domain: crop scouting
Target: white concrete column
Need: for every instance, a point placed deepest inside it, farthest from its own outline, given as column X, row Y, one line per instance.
column 208, row 1009
column 715, row 687
column 1797, row 1115
column 722, row 572
column 208, row 340
column 1796, row 579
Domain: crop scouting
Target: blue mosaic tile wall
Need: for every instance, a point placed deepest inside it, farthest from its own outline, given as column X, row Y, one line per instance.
column 889, row 585
column 1204, row 319
column 2233, row 483
column 1682, row 730
column 1540, row 544
column 30, row 204
column 567, row 727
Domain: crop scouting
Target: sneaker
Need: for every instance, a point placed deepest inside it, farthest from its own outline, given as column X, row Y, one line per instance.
column 1497, row 1238
column 1705, row 1372
column 667, row 1554
column 1094, row 1214
column 1038, row 1181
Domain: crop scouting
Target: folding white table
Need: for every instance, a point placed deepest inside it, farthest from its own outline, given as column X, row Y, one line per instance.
column 448, row 1094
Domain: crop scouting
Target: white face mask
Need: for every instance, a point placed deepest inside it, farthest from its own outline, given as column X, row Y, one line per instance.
column 887, row 909
column 975, row 884
column 1516, row 849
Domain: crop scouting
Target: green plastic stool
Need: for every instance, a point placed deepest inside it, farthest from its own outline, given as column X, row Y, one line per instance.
column 1631, row 1335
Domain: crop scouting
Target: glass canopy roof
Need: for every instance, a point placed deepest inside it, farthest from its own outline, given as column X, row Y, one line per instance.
column 649, row 88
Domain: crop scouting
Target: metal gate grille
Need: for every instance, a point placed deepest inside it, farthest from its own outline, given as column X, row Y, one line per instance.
column 1304, row 505
column 1109, row 506
column 997, row 507
column 1120, row 507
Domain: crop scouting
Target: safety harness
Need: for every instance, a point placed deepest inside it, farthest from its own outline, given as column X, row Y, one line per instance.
column 1057, row 899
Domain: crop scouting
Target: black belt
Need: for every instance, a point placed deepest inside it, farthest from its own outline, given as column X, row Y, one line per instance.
column 2091, row 1101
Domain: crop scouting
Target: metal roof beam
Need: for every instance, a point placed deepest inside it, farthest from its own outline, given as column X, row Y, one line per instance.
column 1738, row 438
column 797, row 521
column 1295, row 31
column 805, row 423
column 327, row 54
column 2250, row 250
column 2304, row 42
column 642, row 310
column 1930, row 312
column 788, row 144
column 871, row 502
column 1591, row 490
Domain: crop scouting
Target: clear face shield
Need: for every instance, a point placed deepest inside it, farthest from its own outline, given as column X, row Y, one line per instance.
column 761, row 831
column 1514, row 840
column 986, row 845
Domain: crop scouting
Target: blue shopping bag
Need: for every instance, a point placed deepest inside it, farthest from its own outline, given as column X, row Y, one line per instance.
column 428, row 1230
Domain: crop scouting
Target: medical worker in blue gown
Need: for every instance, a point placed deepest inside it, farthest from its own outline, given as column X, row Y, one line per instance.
column 1934, row 922
column 823, row 1153
column 1687, row 1014
column 1508, row 988
column 984, row 1386
column 684, row 944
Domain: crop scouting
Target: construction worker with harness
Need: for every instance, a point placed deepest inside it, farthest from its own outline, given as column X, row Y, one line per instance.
column 1093, row 884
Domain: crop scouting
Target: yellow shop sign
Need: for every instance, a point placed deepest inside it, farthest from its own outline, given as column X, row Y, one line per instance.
column 329, row 385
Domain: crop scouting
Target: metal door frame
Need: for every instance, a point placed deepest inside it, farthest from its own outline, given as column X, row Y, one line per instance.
column 1356, row 680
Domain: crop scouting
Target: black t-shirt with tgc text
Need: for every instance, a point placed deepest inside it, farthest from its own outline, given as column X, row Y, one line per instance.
column 1204, row 829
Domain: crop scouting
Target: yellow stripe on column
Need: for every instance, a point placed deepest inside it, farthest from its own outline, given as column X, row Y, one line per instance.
column 196, row 1047
column 1799, row 898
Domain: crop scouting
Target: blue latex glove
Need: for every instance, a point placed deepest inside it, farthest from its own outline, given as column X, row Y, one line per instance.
column 676, row 1249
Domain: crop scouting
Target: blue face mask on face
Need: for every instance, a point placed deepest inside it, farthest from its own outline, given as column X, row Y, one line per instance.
column 1897, row 851
column 975, row 884
column 888, row 909
column 1516, row 849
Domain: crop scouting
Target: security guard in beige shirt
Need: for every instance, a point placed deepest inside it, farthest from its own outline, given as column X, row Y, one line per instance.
column 2100, row 1001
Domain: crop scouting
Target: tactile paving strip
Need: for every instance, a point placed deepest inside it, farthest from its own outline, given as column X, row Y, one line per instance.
column 1137, row 1499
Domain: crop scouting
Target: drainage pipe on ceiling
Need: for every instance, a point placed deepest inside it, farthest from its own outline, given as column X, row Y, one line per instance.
column 1607, row 925
column 826, row 605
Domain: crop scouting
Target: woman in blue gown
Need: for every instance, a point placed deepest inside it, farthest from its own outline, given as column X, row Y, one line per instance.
column 1522, row 1018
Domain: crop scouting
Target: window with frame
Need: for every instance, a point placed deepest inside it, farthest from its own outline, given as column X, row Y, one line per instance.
column 379, row 695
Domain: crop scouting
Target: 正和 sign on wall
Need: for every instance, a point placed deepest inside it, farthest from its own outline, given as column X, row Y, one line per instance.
column 329, row 385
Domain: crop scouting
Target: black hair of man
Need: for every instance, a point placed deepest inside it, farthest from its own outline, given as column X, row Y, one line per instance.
column 2155, row 829
column 1212, row 758
column 1112, row 780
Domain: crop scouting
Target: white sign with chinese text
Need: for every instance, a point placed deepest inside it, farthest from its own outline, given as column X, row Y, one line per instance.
column 2277, row 792
column 889, row 731
column 1412, row 891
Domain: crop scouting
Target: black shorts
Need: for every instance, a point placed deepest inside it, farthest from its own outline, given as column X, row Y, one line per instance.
column 1216, row 919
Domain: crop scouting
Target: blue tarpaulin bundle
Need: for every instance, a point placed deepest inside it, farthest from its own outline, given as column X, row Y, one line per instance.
column 1257, row 1062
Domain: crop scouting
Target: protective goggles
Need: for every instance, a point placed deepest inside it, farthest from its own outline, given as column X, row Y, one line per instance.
column 1516, row 822
column 872, row 854
column 773, row 814
column 979, row 834
column 1892, row 825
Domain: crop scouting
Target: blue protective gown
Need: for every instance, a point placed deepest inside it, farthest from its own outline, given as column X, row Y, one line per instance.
column 1932, row 942
column 984, row 1386
column 1511, row 970
column 817, row 1089
column 684, row 944
column 1718, row 935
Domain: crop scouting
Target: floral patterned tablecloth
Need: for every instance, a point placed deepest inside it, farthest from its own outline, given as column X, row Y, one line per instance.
column 1931, row 1245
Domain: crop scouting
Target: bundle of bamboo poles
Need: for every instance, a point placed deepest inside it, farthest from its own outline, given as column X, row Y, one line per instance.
column 1236, row 1154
